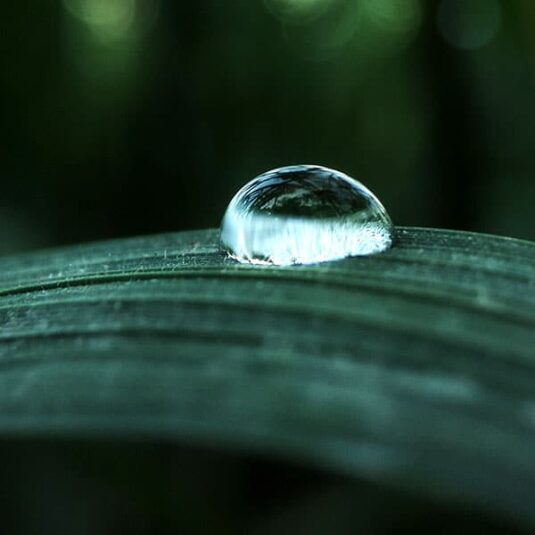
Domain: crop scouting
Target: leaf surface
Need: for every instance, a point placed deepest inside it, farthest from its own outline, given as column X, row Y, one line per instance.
column 414, row 368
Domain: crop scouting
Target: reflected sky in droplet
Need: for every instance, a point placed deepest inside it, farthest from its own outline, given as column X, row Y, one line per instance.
column 304, row 214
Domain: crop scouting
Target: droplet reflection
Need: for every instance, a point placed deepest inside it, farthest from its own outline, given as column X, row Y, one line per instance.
column 304, row 214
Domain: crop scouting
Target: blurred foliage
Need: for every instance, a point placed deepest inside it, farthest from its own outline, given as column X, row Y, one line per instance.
column 123, row 117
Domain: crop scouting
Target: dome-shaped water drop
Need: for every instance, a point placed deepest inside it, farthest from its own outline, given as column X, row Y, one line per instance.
column 303, row 214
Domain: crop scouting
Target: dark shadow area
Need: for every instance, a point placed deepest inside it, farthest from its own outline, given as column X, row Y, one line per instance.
column 80, row 487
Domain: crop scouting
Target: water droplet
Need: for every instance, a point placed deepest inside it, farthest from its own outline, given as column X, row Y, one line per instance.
column 304, row 214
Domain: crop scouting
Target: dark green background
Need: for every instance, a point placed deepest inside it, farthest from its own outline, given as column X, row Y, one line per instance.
column 126, row 117
column 123, row 117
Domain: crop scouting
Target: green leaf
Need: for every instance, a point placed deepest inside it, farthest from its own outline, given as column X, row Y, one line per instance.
column 414, row 368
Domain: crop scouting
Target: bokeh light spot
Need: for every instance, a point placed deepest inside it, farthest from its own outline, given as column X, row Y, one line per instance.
column 394, row 16
column 328, row 34
column 109, row 19
column 469, row 24
column 297, row 11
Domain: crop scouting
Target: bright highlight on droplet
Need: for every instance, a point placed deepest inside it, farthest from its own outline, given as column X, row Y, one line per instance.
column 304, row 214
